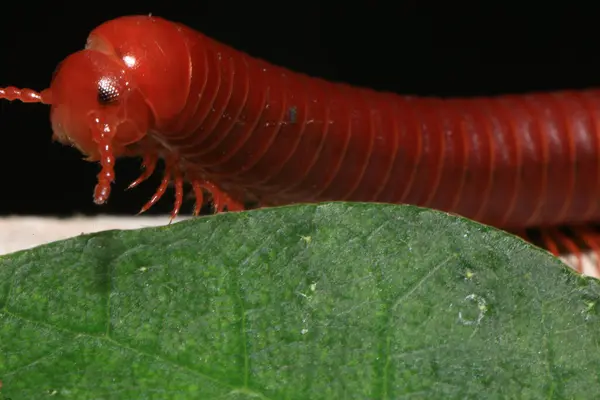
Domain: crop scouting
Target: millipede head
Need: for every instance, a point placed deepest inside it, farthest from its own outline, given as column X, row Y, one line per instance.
column 95, row 107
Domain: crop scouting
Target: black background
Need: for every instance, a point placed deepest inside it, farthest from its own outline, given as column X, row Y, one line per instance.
column 413, row 47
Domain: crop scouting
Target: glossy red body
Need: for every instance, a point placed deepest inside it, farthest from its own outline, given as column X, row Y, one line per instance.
column 283, row 137
column 248, row 130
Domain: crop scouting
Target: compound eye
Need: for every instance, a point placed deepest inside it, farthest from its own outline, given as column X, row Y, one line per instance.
column 107, row 91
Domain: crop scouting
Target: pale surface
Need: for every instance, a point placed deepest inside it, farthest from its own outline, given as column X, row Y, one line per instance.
column 19, row 233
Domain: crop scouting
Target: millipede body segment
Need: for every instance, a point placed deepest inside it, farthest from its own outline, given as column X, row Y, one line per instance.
column 244, row 130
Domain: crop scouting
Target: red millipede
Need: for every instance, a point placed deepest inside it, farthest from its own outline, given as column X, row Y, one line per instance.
column 244, row 131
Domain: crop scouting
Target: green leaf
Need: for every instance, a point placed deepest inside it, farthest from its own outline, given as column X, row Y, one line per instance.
column 331, row 301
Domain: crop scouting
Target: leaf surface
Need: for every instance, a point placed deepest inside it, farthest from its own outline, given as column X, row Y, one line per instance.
column 329, row 301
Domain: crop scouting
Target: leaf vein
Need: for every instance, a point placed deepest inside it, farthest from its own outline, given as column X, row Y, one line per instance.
column 420, row 282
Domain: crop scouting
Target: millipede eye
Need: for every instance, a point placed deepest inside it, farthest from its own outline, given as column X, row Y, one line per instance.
column 107, row 91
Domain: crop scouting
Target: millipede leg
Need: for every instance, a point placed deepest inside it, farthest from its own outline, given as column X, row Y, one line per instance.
column 222, row 199
column 572, row 247
column 149, row 165
column 178, row 178
column 199, row 194
column 549, row 243
column 232, row 205
column 591, row 239
column 161, row 189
